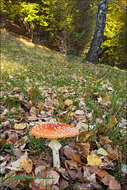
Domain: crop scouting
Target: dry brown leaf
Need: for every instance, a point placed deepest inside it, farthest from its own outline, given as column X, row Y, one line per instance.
column 15, row 166
column 30, row 91
column 101, row 173
column 31, row 103
column 105, row 140
column 43, row 184
column 12, row 138
column 10, row 182
column 114, row 185
column 33, row 111
column 89, row 174
column 107, row 179
column 41, row 106
column 26, row 165
column 76, row 174
column 71, row 164
column 86, row 95
column 111, row 182
column 68, row 151
column 112, row 122
column 76, row 158
column 20, row 126
column 68, row 102
column 112, row 153
column 82, row 186
column 107, row 164
column 94, row 160
column 85, row 150
column 101, row 129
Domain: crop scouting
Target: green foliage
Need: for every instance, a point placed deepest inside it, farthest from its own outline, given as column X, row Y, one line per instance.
column 68, row 25
column 64, row 21
column 115, row 36
column 33, row 13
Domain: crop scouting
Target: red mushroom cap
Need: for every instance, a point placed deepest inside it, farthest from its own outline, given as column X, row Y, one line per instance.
column 54, row 130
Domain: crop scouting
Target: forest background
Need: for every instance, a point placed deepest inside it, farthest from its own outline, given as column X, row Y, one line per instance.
column 68, row 26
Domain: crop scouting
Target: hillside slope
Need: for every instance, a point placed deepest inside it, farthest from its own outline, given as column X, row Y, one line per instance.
column 39, row 85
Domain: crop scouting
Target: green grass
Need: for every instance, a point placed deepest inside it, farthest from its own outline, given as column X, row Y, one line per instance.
column 28, row 66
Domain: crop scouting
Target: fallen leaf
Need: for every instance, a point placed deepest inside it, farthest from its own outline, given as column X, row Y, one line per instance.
column 112, row 122
column 83, row 136
column 76, row 174
column 111, row 182
column 32, row 118
column 82, row 126
column 41, row 106
column 102, row 151
column 10, row 182
column 39, row 170
column 71, row 164
column 85, row 150
column 13, row 110
column 79, row 112
column 16, row 164
column 76, row 158
column 101, row 173
column 114, row 185
column 112, row 153
column 105, row 140
column 68, row 102
column 106, row 99
column 33, row 111
column 3, row 167
column 42, row 184
column 107, row 163
column 109, row 88
column 68, row 151
column 26, row 165
column 124, row 168
column 107, row 179
column 30, row 91
column 93, row 160
column 63, row 89
column 12, row 138
column 99, row 99
column 89, row 116
column 20, row 126
column 86, row 95
column 82, row 186
column 70, row 114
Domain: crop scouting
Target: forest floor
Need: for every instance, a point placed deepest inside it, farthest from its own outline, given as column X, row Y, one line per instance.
column 38, row 86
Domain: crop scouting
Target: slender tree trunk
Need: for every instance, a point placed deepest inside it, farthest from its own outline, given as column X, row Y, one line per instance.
column 98, row 37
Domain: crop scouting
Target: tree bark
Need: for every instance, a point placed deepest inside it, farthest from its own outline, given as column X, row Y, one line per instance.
column 98, row 37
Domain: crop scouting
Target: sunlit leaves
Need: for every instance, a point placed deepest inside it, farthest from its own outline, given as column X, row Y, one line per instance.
column 112, row 121
column 94, row 160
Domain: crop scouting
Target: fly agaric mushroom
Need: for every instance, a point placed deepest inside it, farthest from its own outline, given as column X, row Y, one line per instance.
column 54, row 131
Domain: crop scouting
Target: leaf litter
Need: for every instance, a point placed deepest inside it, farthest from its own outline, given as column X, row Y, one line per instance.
column 87, row 162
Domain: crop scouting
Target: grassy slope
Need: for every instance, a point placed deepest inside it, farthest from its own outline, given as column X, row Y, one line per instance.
column 25, row 65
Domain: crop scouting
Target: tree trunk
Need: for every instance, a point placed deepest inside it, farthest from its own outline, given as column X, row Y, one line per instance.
column 98, row 38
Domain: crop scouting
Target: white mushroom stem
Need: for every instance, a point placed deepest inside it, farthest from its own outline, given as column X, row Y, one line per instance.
column 55, row 146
